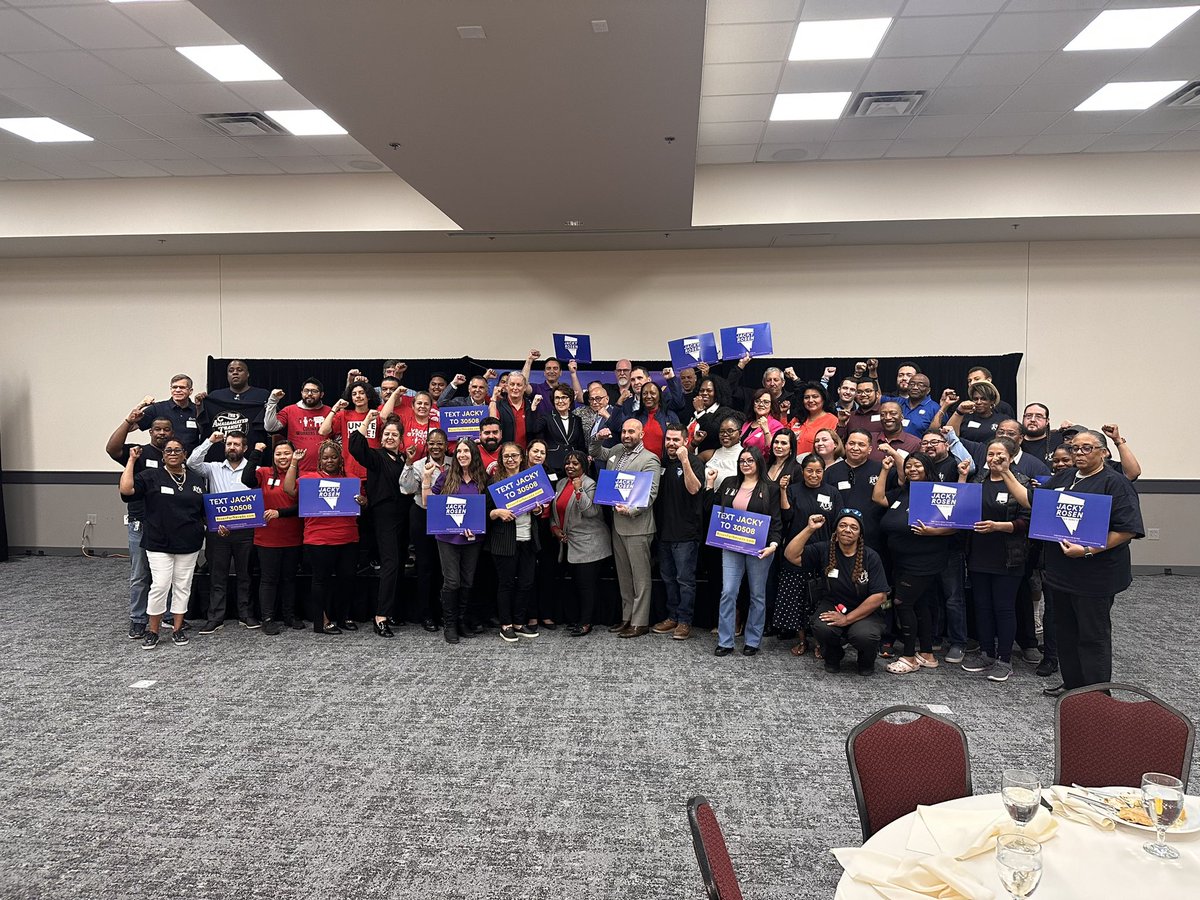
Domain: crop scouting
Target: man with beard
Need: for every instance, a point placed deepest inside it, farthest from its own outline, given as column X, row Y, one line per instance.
column 238, row 407
column 680, row 509
column 224, row 544
column 866, row 416
column 946, row 451
column 151, row 456
column 917, row 408
column 489, row 442
column 301, row 421
column 855, row 478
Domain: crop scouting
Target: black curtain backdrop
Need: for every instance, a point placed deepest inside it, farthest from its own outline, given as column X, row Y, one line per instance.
column 288, row 374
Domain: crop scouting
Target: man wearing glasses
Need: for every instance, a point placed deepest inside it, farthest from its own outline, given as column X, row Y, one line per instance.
column 866, row 417
column 179, row 411
column 301, row 421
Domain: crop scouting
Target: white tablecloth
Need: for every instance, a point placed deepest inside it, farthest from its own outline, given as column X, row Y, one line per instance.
column 1079, row 861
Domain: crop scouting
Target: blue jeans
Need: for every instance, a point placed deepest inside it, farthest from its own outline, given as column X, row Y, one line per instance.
column 733, row 567
column 139, row 574
column 677, row 566
column 956, row 601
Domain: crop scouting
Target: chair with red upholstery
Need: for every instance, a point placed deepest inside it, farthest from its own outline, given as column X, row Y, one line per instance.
column 1100, row 741
column 716, row 868
column 897, row 766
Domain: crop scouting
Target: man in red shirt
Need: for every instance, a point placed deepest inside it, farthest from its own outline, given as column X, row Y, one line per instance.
column 893, row 433
column 301, row 421
column 489, row 442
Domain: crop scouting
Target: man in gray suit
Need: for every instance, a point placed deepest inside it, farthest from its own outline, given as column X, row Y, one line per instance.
column 633, row 529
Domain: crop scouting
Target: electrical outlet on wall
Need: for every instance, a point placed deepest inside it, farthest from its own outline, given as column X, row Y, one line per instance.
column 1152, row 534
column 91, row 519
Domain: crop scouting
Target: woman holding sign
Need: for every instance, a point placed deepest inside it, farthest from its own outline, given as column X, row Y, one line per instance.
column 764, row 422
column 278, row 543
column 459, row 553
column 578, row 523
column 748, row 491
column 513, row 543
column 546, row 602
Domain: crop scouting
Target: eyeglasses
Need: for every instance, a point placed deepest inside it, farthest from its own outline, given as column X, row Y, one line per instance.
column 746, row 462
column 172, row 452
column 180, row 387
column 727, row 431
column 512, row 455
column 932, row 442
column 1082, row 448
column 1034, row 416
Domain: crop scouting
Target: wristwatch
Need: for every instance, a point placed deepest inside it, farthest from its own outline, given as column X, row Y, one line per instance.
column 1088, row 554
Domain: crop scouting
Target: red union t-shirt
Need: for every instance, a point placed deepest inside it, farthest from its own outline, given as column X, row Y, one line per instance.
column 301, row 426
column 415, row 434
column 329, row 531
column 345, row 421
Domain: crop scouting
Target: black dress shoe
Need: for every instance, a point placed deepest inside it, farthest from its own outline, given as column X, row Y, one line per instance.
column 451, row 634
column 580, row 631
column 832, row 668
column 722, row 651
column 349, row 625
column 477, row 628
column 430, row 625
column 549, row 626
column 394, row 622
column 383, row 629
column 331, row 628
column 749, row 651
column 464, row 631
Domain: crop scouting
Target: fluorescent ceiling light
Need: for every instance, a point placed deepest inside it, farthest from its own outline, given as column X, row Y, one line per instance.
column 305, row 121
column 1130, row 29
column 43, row 130
column 842, row 39
column 798, row 107
column 230, row 62
column 1123, row 95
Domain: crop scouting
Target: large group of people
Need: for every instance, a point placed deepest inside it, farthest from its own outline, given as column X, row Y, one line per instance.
column 830, row 464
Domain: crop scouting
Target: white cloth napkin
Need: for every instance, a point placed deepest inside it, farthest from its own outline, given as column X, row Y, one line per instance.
column 963, row 833
column 909, row 878
column 1075, row 810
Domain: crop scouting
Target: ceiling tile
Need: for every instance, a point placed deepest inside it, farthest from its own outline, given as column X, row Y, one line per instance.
column 747, row 43
column 726, row 12
column 281, row 95
column 151, row 149
column 1162, row 121
column 1126, row 143
column 106, row 128
column 21, row 171
column 1163, row 64
column 19, row 33
column 200, row 98
column 1095, row 67
column 737, row 108
column 730, row 133
column 33, row 3
column 872, row 129
column 916, row 73
column 134, row 168
column 248, row 166
column 214, row 147
column 73, row 67
column 358, row 164
column 15, row 75
column 1019, row 124
column 96, row 151
column 56, row 102
column 798, row 132
column 279, row 145
column 989, row 146
column 333, row 145
column 187, row 167
column 129, row 100
column 72, row 168
column 1089, row 122
column 1027, row 32
column 1065, row 5
column 11, row 109
column 318, row 165
column 1189, row 140
column 726, row 154
column 979, row 100
column 1058, row 143
column 155, row 65
column 855, row 149
column 1186, row 36
column 933, row 35
column 1046, row 98
column 789, row 152
column 732, row 78
column 177, row 24
column 995, row 69
column 823, row 75
column 176, row 126
column 928, row 127
column 850, row 9
column 913, row 149
column 951, row 7
column 94, row 27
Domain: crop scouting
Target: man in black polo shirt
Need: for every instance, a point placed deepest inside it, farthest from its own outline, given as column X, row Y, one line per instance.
column 680, row 510
column 180, row 411
column 855, row 478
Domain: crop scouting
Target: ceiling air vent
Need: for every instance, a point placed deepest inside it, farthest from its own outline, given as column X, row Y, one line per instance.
column 1185, row 98
column 243, row 124
column 870, row 104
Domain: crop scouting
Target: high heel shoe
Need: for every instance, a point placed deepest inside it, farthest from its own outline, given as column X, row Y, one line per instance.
column 383, row 629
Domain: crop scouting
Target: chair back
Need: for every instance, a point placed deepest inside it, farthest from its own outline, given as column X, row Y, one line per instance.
column 716, row 868
column 1100, row 741
column 897, row 766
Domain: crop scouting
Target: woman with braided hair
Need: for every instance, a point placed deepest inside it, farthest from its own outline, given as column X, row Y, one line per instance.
column 850, row 585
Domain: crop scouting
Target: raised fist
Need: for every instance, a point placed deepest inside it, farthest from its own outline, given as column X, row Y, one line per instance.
column 277, row 394
column 815, row 522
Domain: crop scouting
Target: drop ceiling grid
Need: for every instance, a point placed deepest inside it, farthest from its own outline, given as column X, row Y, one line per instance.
column 111, row 71
column 1011, row 83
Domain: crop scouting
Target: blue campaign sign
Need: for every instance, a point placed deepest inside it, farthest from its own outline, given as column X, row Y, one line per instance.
column 945, row 504
column 741, row 532
column 234, row 509
column 452, row 514
column 615, row 488
column 576, row 347
column 322, row 497
column 739, row 340
column 523, row 491
column 1064, row 516
column 688, row 351
column 461, row 421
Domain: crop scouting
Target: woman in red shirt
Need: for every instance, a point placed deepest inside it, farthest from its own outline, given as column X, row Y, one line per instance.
column 351, row 409
column 417, row 422
column 812, row 417
column 279, row 542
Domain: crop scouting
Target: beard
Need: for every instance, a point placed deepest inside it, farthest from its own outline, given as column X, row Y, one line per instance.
column 1033, row 435
column 489, row 444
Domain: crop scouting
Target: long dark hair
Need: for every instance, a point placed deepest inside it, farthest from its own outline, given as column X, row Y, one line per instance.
column 454, row 473
column 760, row 464
column 859, row 553
column 926, row 462
column 366, row 386
column 500, row 473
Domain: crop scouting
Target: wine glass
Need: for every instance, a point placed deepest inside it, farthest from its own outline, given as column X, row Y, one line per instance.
column 1162, row 796
column 1019, row 861
column 1022, row 794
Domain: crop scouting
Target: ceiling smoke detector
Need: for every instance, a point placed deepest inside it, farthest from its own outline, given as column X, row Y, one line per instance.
column 871, row 104
column 243, row 124
column 1187, row 97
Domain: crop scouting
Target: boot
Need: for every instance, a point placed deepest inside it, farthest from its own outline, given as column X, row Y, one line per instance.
column 451, row 629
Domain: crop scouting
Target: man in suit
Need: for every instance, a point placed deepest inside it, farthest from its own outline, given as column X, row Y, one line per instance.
column 632, row 529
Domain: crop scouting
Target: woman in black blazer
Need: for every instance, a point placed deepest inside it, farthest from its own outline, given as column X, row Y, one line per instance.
column 561, row 430
column 751, row 491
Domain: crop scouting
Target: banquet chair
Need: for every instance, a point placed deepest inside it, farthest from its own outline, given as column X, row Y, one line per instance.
column 897, row 766
column 1100, row 741
column 716, row 868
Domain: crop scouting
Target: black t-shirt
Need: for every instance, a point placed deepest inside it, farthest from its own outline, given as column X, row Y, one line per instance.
column 988, row 553
column 174, row 520
column 151, row 458
column 855, row 484
column 825, row 500
column 912, row 554
column 680, row 515
column 946, row 469
column 976, row 428
column 1108, row 572
column 843, row 588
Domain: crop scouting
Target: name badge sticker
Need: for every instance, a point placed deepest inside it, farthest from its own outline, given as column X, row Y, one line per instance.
column 843, row 485
column 1002, row 497
column 166, row 490
column 833, row 573
column 973, row 424
column 904, row 422
column 896, row 505
column 152, row 464
column 191, row 423
column 874, row 418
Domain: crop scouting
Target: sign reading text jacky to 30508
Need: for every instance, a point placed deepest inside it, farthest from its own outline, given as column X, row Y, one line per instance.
column 461, row 421
column 741, row 532
column 234, row 509
column 945, row 505
column 1064, row 516
column 452, row 514
column 322, row 497
column 575, row 346
column 615, row 488
column 523, row 491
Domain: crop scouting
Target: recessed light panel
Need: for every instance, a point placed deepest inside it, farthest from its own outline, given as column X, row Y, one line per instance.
column 43, row 130
column 230, row 62
column 303, row 122
column 801, row 107
column 1129, row 95
column 1130, row 29
column 841, row 39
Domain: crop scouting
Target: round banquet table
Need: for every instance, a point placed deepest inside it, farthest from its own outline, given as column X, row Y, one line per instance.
column 1079, row 861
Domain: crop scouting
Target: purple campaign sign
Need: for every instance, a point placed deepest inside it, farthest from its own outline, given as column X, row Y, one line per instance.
column 452, row 514
column 945, row 504
column 523, row 491
column 741, row 532
column 688, row 351
column 461, row 421
column 234, row 509
column 739, row 340
column 326, row 497
column 575, row 346
column 1075, row 517
column 615, row 488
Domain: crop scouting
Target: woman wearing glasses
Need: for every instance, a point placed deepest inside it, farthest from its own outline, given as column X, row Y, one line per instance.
column 578, row 523
column 513, row 543
column 278, row 543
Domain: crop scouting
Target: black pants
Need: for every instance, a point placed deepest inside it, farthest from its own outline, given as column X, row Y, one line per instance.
column 514, row 584
column 548, row 604
column 458, row 573
column 1083, row 625
column 916, row 603
column 1026, row 636
column 585, row 579
column 1049, row 631
column 428, row 565
column 386, row 517
column 332, row 580
column 277, row 582
column 862, row 635
column 237, row 545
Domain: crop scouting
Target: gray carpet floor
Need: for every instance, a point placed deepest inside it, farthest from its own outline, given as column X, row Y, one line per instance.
column 354, row 767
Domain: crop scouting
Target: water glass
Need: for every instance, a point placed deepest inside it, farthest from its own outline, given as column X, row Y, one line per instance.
column 1019, row 862
column 1162, row 797
column 1022, row 794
